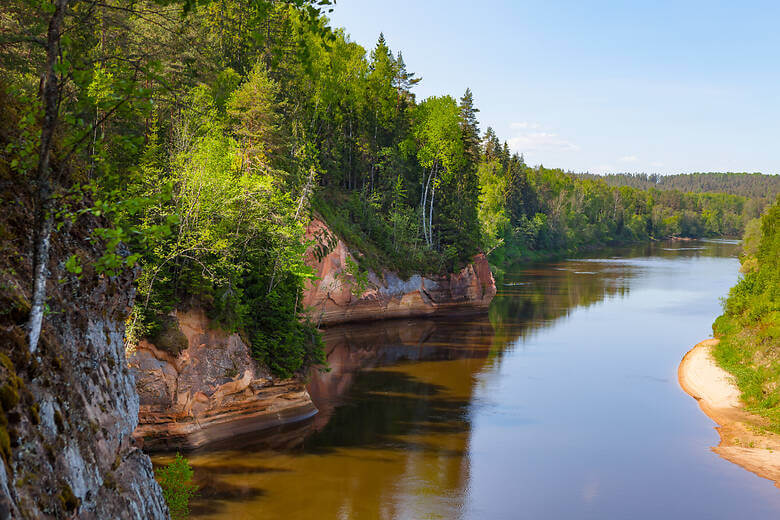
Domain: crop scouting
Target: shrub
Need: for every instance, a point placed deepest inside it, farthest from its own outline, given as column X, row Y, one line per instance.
column 178, row 488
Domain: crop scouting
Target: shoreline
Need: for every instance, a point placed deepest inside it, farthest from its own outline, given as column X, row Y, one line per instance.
column 743, row 441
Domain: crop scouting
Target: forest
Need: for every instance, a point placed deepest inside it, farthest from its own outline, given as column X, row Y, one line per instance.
column 204, row 136
column 533, row 212
column 751, row 185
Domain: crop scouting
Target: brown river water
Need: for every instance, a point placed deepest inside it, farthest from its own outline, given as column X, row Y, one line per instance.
column 562, row 402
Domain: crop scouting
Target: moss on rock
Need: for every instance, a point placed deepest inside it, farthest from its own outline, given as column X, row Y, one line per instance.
column 68, row 500
column 170, row 338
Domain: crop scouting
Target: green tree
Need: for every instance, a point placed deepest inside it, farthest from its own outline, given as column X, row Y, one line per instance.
column 175, row 479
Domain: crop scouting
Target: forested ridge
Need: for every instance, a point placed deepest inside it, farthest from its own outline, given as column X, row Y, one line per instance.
column 206, row 135
column 751, row 185
column 531, row 212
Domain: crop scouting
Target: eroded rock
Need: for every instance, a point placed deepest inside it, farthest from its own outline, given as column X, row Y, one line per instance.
column 211, row 391
column 331, row 298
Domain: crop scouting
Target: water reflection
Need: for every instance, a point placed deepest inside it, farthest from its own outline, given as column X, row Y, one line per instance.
column 393, row 419
column 558, row 403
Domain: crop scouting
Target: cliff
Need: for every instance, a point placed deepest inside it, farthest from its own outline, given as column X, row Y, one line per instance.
column 67, row 413
column 209, row 390
column 332, row 298
column 199, row 385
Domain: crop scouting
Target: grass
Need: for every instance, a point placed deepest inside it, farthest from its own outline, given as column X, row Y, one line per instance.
column 749, row 329
column 751, row 353
column 369, row 238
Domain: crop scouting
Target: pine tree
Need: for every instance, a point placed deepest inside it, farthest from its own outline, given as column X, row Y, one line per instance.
column 469, row 127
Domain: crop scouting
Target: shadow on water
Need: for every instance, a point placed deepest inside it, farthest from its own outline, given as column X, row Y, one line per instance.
column 400, row 386
column 212, row 490
column 386, row 406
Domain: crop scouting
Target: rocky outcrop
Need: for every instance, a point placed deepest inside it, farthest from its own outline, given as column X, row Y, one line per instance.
column 68, row 411
column 200, row 385
column 209, row 391
column 333, row 296
column 357, row 348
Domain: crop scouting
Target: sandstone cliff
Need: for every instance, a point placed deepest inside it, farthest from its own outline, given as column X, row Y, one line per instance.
column 200, row 385
column 331, row 297
column 210, row 390
column 67, row 413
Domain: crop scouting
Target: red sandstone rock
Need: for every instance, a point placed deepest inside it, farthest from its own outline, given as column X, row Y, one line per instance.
column 211, row 391
column 330, row 299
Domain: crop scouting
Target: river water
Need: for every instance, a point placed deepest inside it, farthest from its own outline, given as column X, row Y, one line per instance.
column 561, row 402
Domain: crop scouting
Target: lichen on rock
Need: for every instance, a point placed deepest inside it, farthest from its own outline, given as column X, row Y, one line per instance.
column 67, row 413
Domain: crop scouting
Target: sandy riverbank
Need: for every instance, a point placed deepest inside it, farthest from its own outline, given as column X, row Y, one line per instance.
column 742, row 440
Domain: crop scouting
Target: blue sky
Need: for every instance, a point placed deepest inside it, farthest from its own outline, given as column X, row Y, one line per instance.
column 599, row 86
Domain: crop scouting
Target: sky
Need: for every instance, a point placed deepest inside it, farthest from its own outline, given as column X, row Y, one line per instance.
column 599, row 86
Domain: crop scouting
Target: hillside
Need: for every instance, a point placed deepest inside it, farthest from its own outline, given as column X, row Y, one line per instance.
column 751, row 185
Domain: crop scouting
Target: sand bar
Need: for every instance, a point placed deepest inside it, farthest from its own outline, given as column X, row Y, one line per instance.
column 743, row 441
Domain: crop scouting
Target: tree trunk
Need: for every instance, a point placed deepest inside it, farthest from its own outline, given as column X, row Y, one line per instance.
column 44, row 220
column 425, row 201
column 430, row 218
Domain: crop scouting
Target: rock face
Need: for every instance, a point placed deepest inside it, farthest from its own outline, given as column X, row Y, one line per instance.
column 209, row 391
column 331, row 298
column 200, row 385
column 68, row 411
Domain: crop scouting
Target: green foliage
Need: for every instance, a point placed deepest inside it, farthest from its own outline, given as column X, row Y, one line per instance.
column 237, row 244
column 537, row 212
column 492, row 203
column 749, row 329
column 174, row 141
column 175, row 479
column 196, row 140
column 750, row 185
column 73, row 265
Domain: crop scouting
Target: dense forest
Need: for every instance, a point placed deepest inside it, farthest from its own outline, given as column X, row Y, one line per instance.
column 750, row 185
column 528, row 212
column 206, row 135
column 749, row 329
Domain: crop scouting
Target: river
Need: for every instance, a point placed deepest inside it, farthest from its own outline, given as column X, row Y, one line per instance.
column 561, row 402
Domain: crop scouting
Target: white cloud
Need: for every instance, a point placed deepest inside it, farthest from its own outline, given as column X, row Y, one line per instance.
column 540, row 141
column 629, row 158
column 522, row 125
column 656, row 164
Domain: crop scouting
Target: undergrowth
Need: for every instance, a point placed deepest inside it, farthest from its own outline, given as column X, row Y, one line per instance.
column 749, row 329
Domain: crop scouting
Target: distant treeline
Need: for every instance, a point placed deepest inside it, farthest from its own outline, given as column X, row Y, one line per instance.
column 751, row 185
column 530, row 212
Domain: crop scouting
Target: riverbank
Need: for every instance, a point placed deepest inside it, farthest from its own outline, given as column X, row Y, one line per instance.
column 743, row 439
column 341, row 292
column 210, row 390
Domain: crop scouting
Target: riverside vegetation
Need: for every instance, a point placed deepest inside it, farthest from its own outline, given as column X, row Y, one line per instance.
column 203, row 137
column 749, row 329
